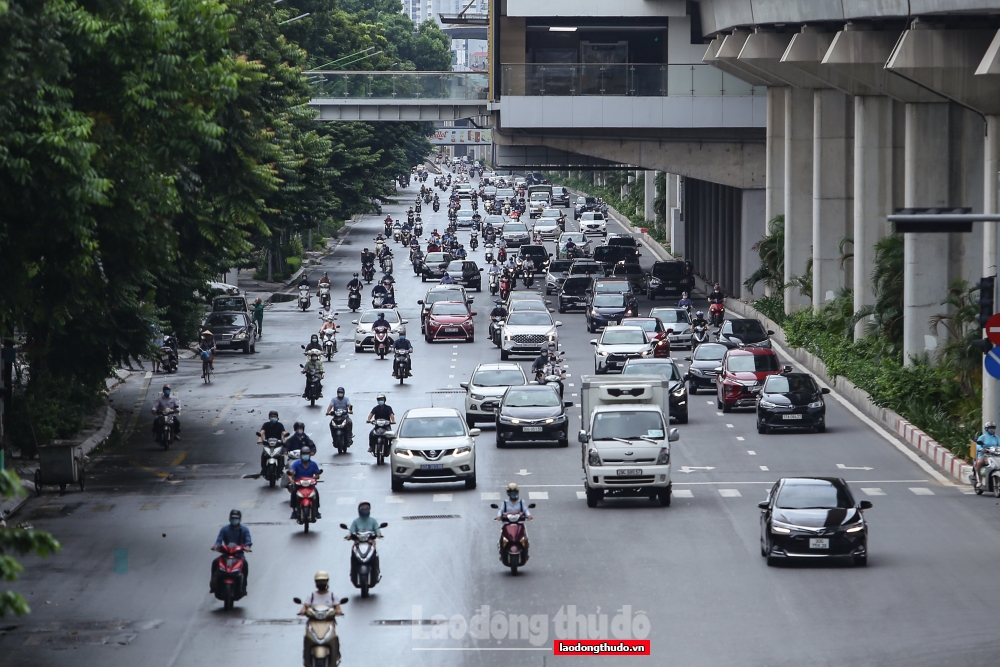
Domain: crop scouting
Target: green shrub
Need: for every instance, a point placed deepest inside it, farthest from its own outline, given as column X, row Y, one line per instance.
column 293, row 264
column 295, row 248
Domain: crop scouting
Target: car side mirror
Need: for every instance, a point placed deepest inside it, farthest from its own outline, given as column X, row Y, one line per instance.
column 354, row 321
column 420, row 302
column 302, row 346
column 344, row 526
column 718, row 369
column 770, row 333
column 383, row 525
column 463, row 385
column 824, row 390
column 593, row 341
column 687, row 358
column 296, row 600
column 583, row 437
column 865, row 505
column 474, row 432
column 673, row 436
column 531, row 506
column 558, row 323
column 494, row 506
column 404, row 321
column 480, row 269
column 762, row 504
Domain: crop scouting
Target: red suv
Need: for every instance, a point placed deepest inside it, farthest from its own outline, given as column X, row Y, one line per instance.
column 742, row 376
column 448, row 320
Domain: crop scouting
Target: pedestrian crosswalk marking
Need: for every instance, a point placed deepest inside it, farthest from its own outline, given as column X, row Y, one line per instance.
column 872, row 491
column 442, row 497
column 682, row 493
column 921, row 491
column 730, row 493
column 489, row 495
column 538, row 495
column 393, row 499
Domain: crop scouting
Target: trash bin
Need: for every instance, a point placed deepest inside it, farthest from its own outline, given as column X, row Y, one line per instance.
column 60, row 463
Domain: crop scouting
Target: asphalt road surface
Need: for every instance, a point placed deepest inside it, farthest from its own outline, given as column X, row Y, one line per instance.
column 130, row 586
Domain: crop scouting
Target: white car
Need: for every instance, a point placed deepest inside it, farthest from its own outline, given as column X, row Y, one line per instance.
column 538, row 202
column 433, row 445
column 487, row 387
column 363, row 338
column 547, row 225
column 516, row 234
column 592, row 222
column 617, row 345
column 528, row 332
column 678, row 320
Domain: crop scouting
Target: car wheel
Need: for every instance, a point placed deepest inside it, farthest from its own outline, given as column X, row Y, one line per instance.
column 664, row 497
column 682, row 418
column 821, row 428
column 504, row 355
column 762, row 429
column 397, row 484
column 594, row 496
column 472, row 338
column 562, row 311
column 765, row 548
column 590, row 329
column 692, row 388
column 501, row 443
column 718, row 403
column 861, row 561
column 357, row 349
column 423, row 278
column 471, row 482
column 650, row 295
column 246, row 347
column 772, row 561
column 470, row 420
column 727, row 408
column 253, row 348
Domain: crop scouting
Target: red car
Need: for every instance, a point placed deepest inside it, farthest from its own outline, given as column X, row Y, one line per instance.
column 742, row 376
column 450, row 320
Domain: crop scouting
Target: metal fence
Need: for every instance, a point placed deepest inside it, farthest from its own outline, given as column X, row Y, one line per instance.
column 400, row 85
column 571, row 79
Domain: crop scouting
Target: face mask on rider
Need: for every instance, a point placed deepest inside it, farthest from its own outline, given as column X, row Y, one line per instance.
column 512, row 495
column 166, row 392
column 381, row 402
column 306, row 457
column 364, row 513
column 274, row 420
column 299, row 431
column 234, row 522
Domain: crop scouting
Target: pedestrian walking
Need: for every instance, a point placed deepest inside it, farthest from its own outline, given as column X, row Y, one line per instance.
column 258, row 316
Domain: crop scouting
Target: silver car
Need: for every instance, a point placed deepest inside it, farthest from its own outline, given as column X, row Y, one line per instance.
column 516, row 234
column 433, row 445
column 678, row 320
column 363, row 337
column 528, row 332
column 486, row 388
column 617, row 345
column 547, row 224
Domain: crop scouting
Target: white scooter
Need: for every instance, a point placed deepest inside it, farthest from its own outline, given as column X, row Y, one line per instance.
column 305, row 299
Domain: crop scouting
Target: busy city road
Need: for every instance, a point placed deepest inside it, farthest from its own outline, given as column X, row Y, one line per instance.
column 130, row 585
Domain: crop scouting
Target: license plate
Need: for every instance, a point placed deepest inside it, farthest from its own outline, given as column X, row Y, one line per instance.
column 532, row 429
column 629, row 471
column 432, row 466
column 617, row 363
column 791, row 416
column 819, row 542
column 451, row 329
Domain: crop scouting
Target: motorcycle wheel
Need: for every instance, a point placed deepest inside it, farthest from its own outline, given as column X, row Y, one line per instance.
column 513, row 570
column 312, row 401
column 364, row 590
column 401, row 377
column 271, row 482
column 228, row 602
column 379, row 457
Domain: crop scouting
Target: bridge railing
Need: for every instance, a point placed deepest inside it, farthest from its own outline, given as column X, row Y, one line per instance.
column 637, row 80
column 455, row 86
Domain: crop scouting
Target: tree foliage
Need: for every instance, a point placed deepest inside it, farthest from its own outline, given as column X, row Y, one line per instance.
column 18, row 541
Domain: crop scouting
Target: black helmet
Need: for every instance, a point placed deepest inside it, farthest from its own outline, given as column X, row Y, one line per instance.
column 272, row 413
column 235, row 514
column 298, row 425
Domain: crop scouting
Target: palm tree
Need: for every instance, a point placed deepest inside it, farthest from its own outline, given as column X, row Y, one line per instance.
column 771, row 250
column 962, row 328
column 886, row 313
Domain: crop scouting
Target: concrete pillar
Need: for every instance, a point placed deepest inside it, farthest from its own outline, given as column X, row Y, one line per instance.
column 774, row 200
column 753, row 224
column 991, row 184
column 649, row 198
column 833, row 148
column 798, row 189
column 873, row 190
column 926, row 266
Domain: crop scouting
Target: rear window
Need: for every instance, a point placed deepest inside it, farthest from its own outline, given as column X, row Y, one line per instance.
column 559, row 265
column 576, row 286
column 752, row 363
column 225, row 320
column 229, row 303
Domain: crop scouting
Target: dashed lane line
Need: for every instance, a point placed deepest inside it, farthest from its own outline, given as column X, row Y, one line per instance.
column 921, row 491
column 872, row 491
column 730, row 493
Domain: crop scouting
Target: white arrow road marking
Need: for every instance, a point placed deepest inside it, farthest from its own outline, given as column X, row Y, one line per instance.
column 764, row 468
column 751, row 452
column 843, row 467
column 687, row 469
column 219, row 432
column 523, row 472
column 740, row 438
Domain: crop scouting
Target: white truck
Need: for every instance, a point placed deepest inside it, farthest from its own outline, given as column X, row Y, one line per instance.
column 625, row 444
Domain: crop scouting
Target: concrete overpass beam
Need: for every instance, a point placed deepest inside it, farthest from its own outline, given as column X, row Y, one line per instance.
column 798, row 190
column 649, row 197
column 774, row 198
column 991, row 183
column 832, row 189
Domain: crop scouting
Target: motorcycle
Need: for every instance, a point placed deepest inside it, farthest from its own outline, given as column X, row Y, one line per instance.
column 401, row 365
column 437, row 206
column 381, row 432
column 305, row 494
column 365, row 570
column 321, row 635
column 552, row 373
column 382, row 341
column 329, row 342
column 505, row 287
column 168, row 355
column 717, row 312
column 494, row 283
column 474, row 241
column 324, row 296
column 488, row 249
column 338, row 430
column 314, row 388
column 699, row 335
column 379, row 245
column 397, row 231
column 990, row 473
column 404, row 237
column 528, row 277
column 418, row 264
column 387, row 264
column 354, row 299
column 513, row 544
column 274, row 465
column 305, row 300
column 368, row 272
column 229, row 585
column 661, row 345
column 502, row 255
column 165, row 428
column 496, row 327
column 418, row 230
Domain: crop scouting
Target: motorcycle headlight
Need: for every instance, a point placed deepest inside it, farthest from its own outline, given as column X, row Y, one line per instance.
column 816, row 404
column 463, row 451
column 404, row 453
column 664, row 456
column 593, row 458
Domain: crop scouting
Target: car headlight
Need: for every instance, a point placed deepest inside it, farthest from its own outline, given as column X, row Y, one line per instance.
column 360, row 331
column 463, row 451
column 241, row 334
column 602, row 353
column 504, row 419
column 680, row 391
column 645, row 353
column 478, row 397
column 664, row 457
column 767, row 405
column 856, row 528
column 816, row 404
column 404, row 453
column 782, row 530
column 654, row 281
column 508, row 336
column 593, row 458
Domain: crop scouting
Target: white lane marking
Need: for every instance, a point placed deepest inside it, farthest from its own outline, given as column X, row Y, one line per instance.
column 764, row 468
column 390, row 500
column 442, row 497
column 921, row 491
column 582, row 495
column 751, row 452
column 345, row 501
column 843, row 467
column 740, row 438
column 729, row 426
column 718, row 414
column 710, row 402
column 489, row 495
column 574, row 394
column 451, row 376
column 571, row 384
column 343, row 366
column 522, row 472
column 872, row 491
column 219, row 432
column 538, row 495
column 682, row 493
column 730, row 493
column 455, row 346
column 451, row 367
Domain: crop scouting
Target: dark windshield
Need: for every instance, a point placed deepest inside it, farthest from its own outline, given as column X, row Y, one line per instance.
column 559, row 265
column 669, row 270
column 225, row 320
column 615, row 253
column 710, row 352
column 576, row 286
column 609, row 301
column 607, row 286
column 592, row 269
column 671, row 315
column 229, row 303
column 783, row 384
column 621, row 424
column 434, row 297
column 746, row 327
column 751, row 363
column 524, row 398
column 667, row 370
column 813, row 494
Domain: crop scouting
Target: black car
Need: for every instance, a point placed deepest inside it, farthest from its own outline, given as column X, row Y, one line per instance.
column 584, row 204
column 434, row 266
column 532, row 413
column 560, row 196
column 609, row 255
column 233, row 330
column 466, row 273
column 626, row 240
column 667, row 278
column 586, row 267
column 574, row 293
column 619, row 286
column 701, row 373
column 539, row 255
column 605, row 309
column 668, row 369
column 791, row 400
column 633, row 273
column 810, row 517
column 735, row 333
column 230, row 304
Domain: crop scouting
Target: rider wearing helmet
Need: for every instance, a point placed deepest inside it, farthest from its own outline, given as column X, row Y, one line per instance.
column 380, row 411
column 513, row 503
column 549, row 352
column 699, row 319
column 365, row 523
column 341, row 402
column 162, row 404
column 716, row 294
column 321, row 597
column 232, row 533
column 303, row 467
column 987, row 439
column 685, row 302
column 272, row 429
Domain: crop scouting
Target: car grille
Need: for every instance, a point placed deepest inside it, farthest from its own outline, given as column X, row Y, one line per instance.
column 621, row 461
column 227, row 336
column 636, row 480
column 622, row 356
column 488, row 406
column 529, row 339
column 434, row 454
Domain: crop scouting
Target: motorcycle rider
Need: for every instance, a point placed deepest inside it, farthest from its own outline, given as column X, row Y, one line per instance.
column 494, row 270
column 380, row 411
column 329, row 325
column 684, row 302
column 402, row 343
column 987, row 439
column 314, row 366
column 354, row 284
column 498, row 309
column 570, row 248
column 365, row 523
column 304, row 282
column 529, row 266
column 303, row 467
column 313, row 344
column 380, row 321
column 323, row 282
column 299, row 440
column 699, row 320
column 272, row 428
column 341, row 402
column 321, row 597
column 232, row 533
column 446, row 279
column 716, row 294
column 380, row 290
column 207, row 344
column 166, row 402
column 547, row 355
column 367, row 258
column 460, row 252
column 513, row 504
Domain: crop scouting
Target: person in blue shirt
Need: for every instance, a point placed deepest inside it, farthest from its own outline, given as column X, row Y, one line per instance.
column 446, row 279
column 987, row 439
column 685, row 302
column 233, row 533
column 460, row 252
column 341, row 402
column 300, row 468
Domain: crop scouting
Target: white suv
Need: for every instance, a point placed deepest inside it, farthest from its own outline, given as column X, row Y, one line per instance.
column 433, row 445
column 363, row 336
column 592, row 222
column 487, row 387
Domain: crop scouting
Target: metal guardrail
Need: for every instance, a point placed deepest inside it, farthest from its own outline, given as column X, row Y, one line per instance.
column 634, row 80
column 445, row 86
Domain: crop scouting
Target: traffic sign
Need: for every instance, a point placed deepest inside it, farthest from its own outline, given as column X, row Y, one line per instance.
column 991, row 362
column 993, row 329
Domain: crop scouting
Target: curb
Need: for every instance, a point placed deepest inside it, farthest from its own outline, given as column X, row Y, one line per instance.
column 952, row 466
column 651, row 244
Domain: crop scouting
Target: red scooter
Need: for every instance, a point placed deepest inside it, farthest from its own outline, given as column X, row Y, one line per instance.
column 229, row 580
column 513, row 545
column 717, row 312
column 305, row 494
column 661, row 346
column 382, row 342
column 502, row 255
column 505, row 284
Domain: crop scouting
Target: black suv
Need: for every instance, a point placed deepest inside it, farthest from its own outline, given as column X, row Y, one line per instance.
column 633, row 273
column 539, row 255
column 609, row 255
column 667, row 278
column 744, row 331
column 560, row 196
column 574, row 293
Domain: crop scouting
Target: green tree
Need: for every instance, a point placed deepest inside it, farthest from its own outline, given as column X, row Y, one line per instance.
column 771, row 250
column 18, row 541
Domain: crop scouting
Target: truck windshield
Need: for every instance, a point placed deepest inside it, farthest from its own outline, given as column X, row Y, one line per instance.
column 628, row 425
